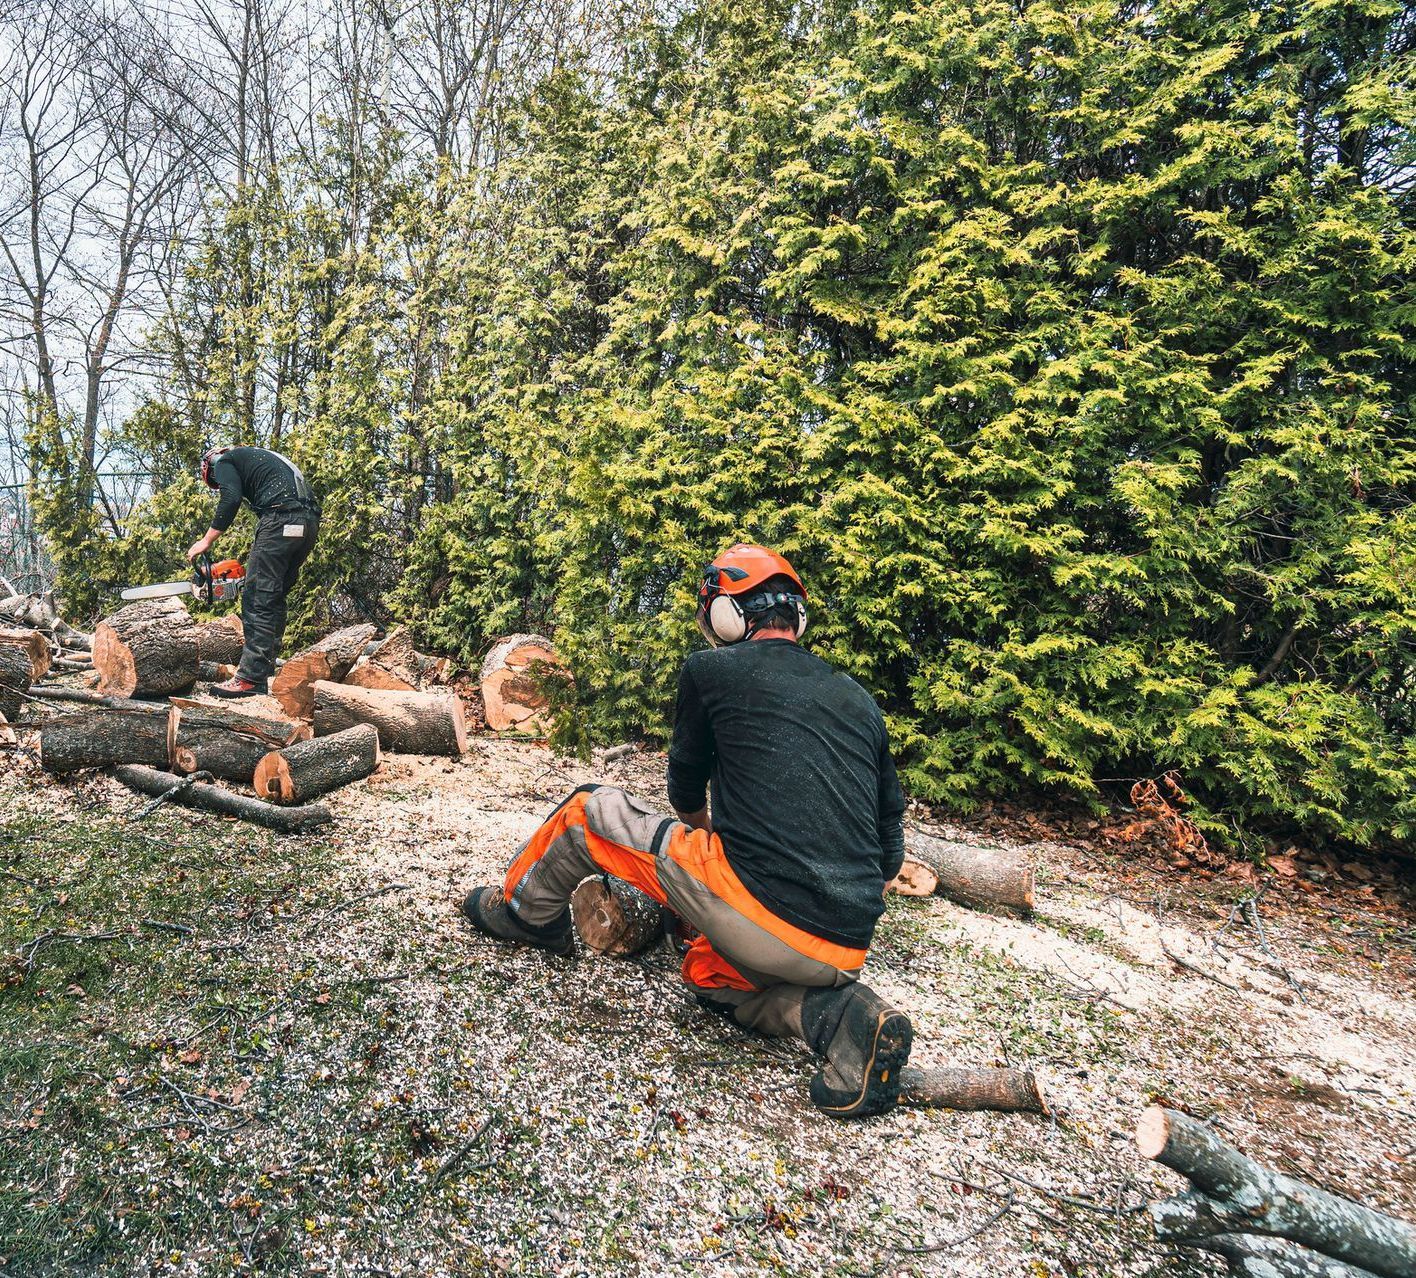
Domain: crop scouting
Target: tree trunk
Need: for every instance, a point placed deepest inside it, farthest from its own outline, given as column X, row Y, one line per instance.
column 509, row 683
column 975, row 876
column 211, row 798
column 615, row 919
column 914, row 879
column 408, row 722
column 228, row 743
column 331, row 658
column 1242, row 1196
column 1008, row 1090
column 1275, row 1258
column 311, row 768
column 148, row 648
column 15, row 668
column 34, row 642
column 221, row 640
column 116, row 732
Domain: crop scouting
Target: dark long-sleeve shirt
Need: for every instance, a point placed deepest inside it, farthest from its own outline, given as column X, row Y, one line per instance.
column 805, row 796
column 264, row 478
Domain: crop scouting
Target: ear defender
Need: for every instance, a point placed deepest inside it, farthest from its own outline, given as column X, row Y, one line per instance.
column 727, row 619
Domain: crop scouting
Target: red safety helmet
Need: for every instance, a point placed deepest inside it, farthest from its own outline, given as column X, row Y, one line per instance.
column 209, row 460
column 731, row 580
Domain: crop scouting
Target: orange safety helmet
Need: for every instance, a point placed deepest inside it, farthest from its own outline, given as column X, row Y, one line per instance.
column 733, row 578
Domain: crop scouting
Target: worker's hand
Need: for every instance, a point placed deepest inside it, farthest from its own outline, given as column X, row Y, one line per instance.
column 198, row 548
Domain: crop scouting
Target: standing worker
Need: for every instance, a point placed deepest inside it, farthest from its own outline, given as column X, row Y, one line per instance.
column 784, row 884
column 287, row 523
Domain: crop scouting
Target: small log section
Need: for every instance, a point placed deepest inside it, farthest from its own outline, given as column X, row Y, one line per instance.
column 214, row 671
column 118, row 731
column 331, row 658
column 148, row 648
column 212, row 798
column 15, row 668
column 1234, row 1194
column 309, row 769
column 508, row 683
column 228, row 743
column 615, row 919
column 914, row 879
column 221, row 640
column 34, row 642
column 975, row 876
column 407, row 722
column 1007, row 1090
column 398, row 666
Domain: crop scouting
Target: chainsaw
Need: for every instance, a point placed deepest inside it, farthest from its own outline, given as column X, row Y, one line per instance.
column 212, row 583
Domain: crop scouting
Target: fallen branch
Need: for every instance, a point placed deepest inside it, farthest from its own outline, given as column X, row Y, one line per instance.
column 212, row 798
column 1003, row 1090
column 171, row 793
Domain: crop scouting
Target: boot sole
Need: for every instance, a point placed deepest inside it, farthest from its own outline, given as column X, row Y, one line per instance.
column 889, row 1051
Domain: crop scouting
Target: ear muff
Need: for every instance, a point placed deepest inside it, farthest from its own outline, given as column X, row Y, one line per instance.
column 726, row 620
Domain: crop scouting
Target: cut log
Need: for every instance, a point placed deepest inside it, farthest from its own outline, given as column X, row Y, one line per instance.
column 214, row 671
column 66, row 636
column 66, row 665
column 368, row 673
column 397, row 665
column 117, row 732
column 615, row 919
column 34, row 642
column 227, row 742
column 211, row 798
column 408, row 722
column 221, row 640
column 148, row 648
column 1239, row 1195
column 510, row 679
column 15, row 670
column 331, row 658
column 1275, row 1258
column 1007, row 1090
column 312, row 768
column 973, row 875
column 7, row 733
column 914, row 879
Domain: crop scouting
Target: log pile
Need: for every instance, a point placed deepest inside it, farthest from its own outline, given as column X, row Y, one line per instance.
column 1262, row 1221
column 311, row 768
column 330, row 659
column 396, row 665
column 16, row 675
column 36, row 645
column 407, row 722
column 40, row 612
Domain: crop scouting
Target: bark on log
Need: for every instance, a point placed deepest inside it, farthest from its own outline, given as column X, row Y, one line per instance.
column 67, row 665
column 615, row 919
column 36, row 644
column 1251, row 1257
column 509, row 685
column 14, row 679
column 331, row 658
column 68, row 637
column 975, row 876
column 408, row 722
column 221, row 640
column 148, row 648
column 117, row 732
column 214, row 671
column 309, row 769
column 211, row 798
column 1242, row 1196
column 228, row 743
column 1007, row 1090
column 914, row 879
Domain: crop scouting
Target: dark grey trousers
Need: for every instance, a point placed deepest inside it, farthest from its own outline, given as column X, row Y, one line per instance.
column 283, row 542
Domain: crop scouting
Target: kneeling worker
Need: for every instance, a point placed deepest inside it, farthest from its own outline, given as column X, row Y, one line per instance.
column 786, row 884
column 287, row 523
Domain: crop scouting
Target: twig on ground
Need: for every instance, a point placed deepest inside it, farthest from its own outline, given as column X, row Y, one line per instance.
column 29, row 951
column 950, row 1243
column 461, row 1152
column 1071, row 1200
column 353, row 900
column 1184, row 962
column 180, row 928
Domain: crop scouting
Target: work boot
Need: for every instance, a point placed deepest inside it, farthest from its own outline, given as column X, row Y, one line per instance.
column 237, row 686
column 486, row 909
column 866, row 1043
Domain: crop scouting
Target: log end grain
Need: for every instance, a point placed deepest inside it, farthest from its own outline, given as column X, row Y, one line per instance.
column 1153, row 1132
column 914, row 879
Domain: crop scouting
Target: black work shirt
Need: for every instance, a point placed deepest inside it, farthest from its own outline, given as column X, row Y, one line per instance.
column 805, row 796
column 264, row 478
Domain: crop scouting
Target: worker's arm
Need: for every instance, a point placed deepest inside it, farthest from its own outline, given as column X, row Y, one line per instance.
column 690, row 756
column 228, row 479
column 889, row 813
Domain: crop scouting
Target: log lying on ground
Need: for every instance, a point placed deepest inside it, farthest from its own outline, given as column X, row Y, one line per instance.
column 39, row 612
column 331, row 658
column 1251, row 1257
column 15, row 670
column 221, row 640
column 407, row 722
column 397, row 665
column 309, row 769
column 615, row 919
column 972, row 875
column 214, row 671
column 1239, row 1195
column 1007, row 1090
column 117, row 731
column 914, row 879
column 36, row 644
column 509, row 683
column 227, row 742
column 211, row 798
column 148, row 648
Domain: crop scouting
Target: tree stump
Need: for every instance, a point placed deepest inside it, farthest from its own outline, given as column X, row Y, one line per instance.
column 227, row 742
column 309, row 769
column 15, row 669
column 1006, row 1090
column 615, row 919
column 221, row 640
column 407, row 722
column 36, row 644
column 509, row 683
column 331, row 658
column 148, row 648
column 975, row 876
column 117, row 732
